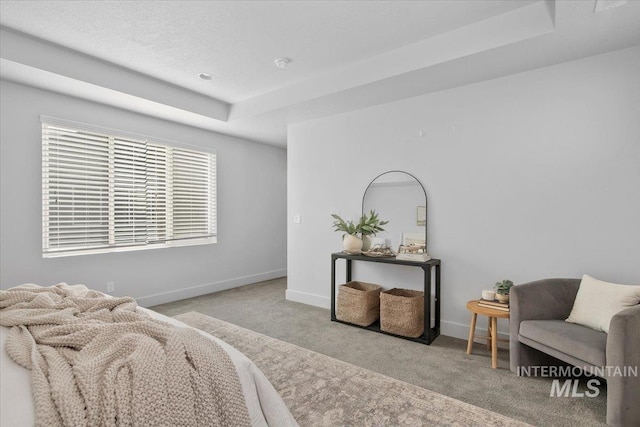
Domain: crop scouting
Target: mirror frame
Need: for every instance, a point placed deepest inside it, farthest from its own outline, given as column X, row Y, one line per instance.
column 426, row 204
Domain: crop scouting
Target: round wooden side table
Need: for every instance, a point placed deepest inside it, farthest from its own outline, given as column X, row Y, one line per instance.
column 492, row 331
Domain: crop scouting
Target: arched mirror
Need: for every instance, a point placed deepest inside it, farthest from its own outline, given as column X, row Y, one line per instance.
column 398, row 197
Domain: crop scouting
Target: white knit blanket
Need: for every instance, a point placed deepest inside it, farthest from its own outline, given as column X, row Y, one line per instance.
column 96, row 361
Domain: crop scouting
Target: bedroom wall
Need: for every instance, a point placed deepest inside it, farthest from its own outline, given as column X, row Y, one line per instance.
column 529, row 176
column 251, row 208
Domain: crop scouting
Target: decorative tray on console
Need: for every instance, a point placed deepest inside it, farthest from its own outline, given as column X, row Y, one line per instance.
column 379, row 252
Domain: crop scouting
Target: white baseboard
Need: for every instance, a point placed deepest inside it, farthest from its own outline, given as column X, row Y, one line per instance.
column 194, row 291
column 448, row 328
column 309, row 299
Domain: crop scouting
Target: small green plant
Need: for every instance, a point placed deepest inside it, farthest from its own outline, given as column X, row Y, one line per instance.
column 369, row 224
column 504, row 287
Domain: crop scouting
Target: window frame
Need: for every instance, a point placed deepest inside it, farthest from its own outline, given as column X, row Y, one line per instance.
column 114, row 134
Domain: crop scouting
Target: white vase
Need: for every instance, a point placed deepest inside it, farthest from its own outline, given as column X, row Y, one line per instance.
column 351, row 244
column 366, row 243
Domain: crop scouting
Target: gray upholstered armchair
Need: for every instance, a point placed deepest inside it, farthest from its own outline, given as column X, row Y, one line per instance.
column 541, row 337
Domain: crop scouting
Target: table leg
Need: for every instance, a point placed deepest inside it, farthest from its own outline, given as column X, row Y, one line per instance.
column 494, row 342
column 427, row 303
column 472, row 331
column 488, row 333
column 333, row 288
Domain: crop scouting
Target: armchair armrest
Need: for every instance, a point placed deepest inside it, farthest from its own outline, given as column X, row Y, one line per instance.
column 623, row 351
column 623, row 341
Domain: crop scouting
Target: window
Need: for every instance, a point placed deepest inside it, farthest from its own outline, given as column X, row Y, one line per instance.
column 105, row 193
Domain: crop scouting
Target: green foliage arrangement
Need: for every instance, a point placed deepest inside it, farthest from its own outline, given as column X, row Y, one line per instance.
column 503, row 287
column 369, row 224
column 347, row 227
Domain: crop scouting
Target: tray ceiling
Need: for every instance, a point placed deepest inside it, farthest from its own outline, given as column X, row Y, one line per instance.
column 344, row 55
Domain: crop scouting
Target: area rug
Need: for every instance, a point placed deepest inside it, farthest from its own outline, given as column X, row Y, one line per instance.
column 323, row 391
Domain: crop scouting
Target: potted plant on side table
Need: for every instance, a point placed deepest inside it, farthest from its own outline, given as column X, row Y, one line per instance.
column 350, row 240
column 502, row 290
column 367, row 225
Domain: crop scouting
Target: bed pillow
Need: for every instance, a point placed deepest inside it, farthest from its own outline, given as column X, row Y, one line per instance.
column 597, row 302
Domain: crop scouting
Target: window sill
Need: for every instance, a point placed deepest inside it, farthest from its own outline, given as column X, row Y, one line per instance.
column 174, row 244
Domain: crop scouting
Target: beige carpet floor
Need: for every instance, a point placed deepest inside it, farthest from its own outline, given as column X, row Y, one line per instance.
column 323, row 391
column 442, row 367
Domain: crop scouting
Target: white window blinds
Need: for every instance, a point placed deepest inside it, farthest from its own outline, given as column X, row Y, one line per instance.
column 104, row 193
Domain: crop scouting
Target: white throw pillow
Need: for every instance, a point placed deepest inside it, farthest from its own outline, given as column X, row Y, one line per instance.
column 597, row 302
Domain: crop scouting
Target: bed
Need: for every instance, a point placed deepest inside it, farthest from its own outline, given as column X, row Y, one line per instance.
column 264, row 405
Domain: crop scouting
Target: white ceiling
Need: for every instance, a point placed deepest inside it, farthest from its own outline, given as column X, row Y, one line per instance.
column 345, row 54
column 237, row 41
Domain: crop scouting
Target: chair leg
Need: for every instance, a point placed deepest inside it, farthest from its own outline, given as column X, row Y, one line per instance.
column 494, row 342
column 472, row 331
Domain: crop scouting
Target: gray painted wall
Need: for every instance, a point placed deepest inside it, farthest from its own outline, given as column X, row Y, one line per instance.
column 529, row 176
column 251, row 208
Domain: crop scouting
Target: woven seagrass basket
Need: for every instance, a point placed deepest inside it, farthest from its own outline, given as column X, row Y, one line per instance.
column 402, row 312
column 358, row 303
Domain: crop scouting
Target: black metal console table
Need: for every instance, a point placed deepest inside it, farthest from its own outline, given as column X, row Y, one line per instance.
column 430, row 333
